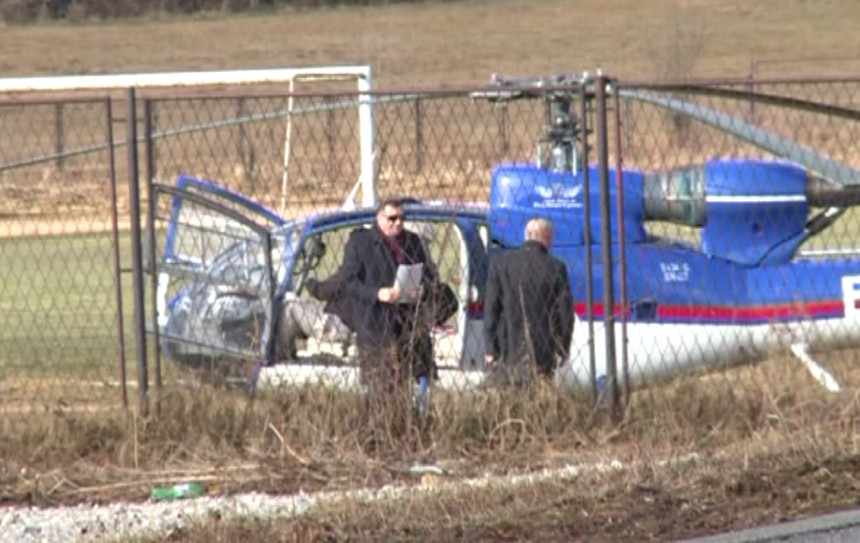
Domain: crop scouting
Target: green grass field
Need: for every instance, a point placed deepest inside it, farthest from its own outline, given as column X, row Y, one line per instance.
column 59, row 311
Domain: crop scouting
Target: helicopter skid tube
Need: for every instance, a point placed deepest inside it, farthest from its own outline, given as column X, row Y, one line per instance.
column 661, row 351
column 346, row 377
column 655, row 352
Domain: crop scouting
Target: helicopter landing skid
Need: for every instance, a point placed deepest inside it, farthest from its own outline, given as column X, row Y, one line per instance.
column 801, row 351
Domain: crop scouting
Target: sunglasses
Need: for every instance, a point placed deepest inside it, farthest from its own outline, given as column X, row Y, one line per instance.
column 394, row 218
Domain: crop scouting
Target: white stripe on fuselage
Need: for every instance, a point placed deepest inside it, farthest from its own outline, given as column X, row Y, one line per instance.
column 655, row 351
column 756, row 199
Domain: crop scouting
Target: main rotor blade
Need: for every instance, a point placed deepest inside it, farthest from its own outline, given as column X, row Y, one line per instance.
column 812, row 160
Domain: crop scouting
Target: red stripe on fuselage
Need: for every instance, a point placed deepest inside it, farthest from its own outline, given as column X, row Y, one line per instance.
column 833, row 308
column 760, row 312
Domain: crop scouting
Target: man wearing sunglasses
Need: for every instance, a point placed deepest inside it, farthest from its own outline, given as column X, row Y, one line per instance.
column 393, row 339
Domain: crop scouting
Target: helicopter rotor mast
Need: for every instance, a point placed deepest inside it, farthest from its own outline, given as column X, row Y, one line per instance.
column 557, row 147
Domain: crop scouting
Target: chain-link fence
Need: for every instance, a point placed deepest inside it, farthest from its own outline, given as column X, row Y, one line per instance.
column 731, row 236
column 62, row 326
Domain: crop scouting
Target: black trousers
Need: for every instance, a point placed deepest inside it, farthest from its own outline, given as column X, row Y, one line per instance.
column 520, row 373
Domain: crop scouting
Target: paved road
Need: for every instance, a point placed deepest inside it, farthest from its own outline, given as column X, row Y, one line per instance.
column 842, row 527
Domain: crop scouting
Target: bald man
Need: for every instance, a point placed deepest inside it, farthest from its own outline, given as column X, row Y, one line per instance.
column 528, row 318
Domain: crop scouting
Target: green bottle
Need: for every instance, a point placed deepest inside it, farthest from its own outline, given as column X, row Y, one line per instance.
column 178, row 491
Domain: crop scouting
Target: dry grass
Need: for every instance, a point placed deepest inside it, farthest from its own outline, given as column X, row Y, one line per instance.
column 425, row 45
column 766, row 443
column 459, row 43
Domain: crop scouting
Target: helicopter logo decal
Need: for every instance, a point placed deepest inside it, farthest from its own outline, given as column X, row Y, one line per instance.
column 675, row 272
column 558, row 195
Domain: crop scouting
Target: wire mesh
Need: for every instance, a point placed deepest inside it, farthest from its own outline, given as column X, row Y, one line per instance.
column 60, row 338
column 701, row 298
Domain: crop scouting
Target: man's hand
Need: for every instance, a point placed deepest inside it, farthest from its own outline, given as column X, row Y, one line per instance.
column 388, row 295
column 415, row 293
column 489, row 359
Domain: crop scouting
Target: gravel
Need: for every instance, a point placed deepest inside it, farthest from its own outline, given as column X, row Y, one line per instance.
column 121, row 521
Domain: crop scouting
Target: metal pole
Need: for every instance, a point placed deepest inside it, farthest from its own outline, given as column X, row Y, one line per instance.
column 419, row 138
column 273, row 306
column 288, row 138
column 331, row 139
column 148, row 125
column 503, row 130
column 241, row 137
column 606, row 246
column 59, row 134
column 116, row 260
column 622, row 252
column 136, row 257
column 367, row 139
column 586, row 234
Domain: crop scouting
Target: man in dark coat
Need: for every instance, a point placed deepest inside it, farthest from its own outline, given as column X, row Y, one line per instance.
column 394, row 343
column 528, row 320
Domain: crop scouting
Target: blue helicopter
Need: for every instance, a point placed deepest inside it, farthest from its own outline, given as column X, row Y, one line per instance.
column 230, row 269
column 742, row 293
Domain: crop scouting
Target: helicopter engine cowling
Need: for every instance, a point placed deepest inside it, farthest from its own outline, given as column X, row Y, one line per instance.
column 749, row 211
column 746, row 208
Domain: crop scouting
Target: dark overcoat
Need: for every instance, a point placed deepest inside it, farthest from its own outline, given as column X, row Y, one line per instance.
column 528, row 308
column 351, row 293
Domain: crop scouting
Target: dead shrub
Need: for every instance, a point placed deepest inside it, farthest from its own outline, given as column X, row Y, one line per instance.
column 82, row 10
column 506, row 421
column 17, row 12
column 307, row 437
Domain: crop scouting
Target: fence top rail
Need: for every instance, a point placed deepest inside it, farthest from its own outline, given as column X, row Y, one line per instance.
column 177, row 79
column 735, row 81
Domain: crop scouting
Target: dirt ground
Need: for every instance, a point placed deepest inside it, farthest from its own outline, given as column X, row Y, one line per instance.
column 758, row 496
column 794, row 460
column 712, row 497
column 707, row 500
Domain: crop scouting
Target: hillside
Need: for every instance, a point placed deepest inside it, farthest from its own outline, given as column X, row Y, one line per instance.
column 436, row 44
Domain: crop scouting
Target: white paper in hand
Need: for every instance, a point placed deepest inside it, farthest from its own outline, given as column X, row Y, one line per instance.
column 408, row 279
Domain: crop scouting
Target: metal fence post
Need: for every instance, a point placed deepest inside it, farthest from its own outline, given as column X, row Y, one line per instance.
column 136, row 256
column 503, row 130
column 419, row 138
column 114, row 212
column 59, row 135
column 149, row 155
column 622, row 247
column 586, row 233
column 606, row 246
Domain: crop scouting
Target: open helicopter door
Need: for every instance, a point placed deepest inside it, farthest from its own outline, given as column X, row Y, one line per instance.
column 216, row 269
column 443, row 241
column 459, row 253
column 476, row 240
